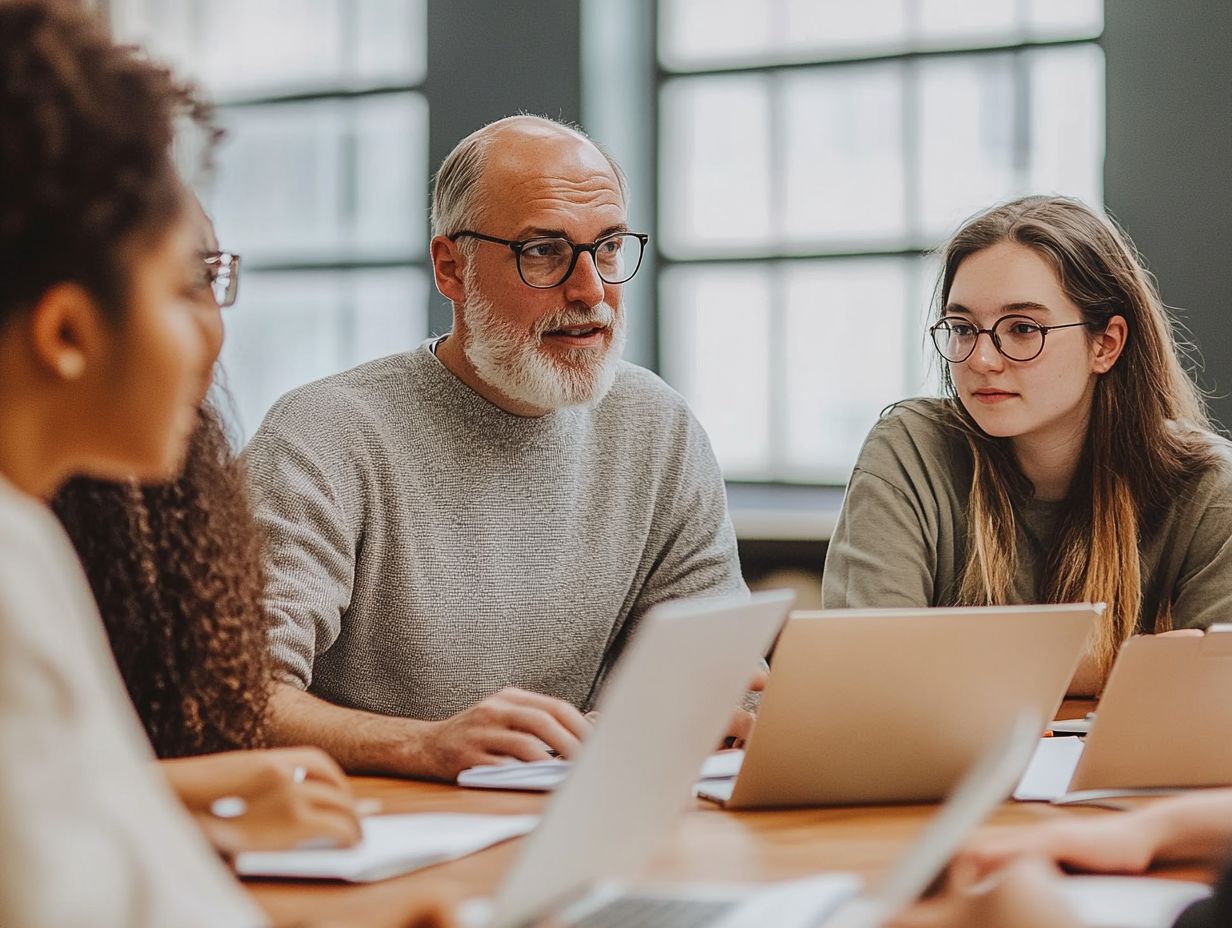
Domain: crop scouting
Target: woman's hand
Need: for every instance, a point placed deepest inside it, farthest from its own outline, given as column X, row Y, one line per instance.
column 1022, row 896
column 267, row 800
column 413, row 913
column 1117, row 843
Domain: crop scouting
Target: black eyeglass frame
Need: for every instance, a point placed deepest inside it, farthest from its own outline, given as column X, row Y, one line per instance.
column 991, row 332
column 223, row 266
column 518, row 246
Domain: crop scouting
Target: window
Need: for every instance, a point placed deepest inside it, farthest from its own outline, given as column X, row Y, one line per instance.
column 810, row 155
column 321, row 182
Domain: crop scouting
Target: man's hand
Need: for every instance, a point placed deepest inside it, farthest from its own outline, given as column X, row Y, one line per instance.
column 740, row 726
column 513, row 724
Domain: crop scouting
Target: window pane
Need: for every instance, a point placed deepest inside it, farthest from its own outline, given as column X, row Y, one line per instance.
column 274, row 46
column 715, row 326
column 1072, row 19
column 280, row 184
column 921, row 312
column 840, row 28
column 390, row 139
column 390, row 313
column 325, row 180
column 282, row 46
column 291, row 328
column 166, row 29
column 714, row 164
column 968, row 22
column 843, row 148
column 239, row 48
column 694, row 33
column 1067, row 122
column 850, row 351
column 969, row 147
column 390, row 41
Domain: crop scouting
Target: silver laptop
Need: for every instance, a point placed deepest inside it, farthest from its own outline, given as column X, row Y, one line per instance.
column 1162, row 725
column 826, row 901
column 893, row 705
column 661, row 713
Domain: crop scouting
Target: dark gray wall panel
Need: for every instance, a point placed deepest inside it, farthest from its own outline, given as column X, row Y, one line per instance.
column 497, row 58
column 1168, row 173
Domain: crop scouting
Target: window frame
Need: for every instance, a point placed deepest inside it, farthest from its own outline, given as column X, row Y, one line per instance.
column 911, row 247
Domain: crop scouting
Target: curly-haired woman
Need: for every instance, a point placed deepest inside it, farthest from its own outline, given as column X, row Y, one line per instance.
column 175, row 569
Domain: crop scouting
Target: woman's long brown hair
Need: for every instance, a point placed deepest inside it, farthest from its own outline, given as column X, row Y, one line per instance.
column 177, row 572
column 1144, row 441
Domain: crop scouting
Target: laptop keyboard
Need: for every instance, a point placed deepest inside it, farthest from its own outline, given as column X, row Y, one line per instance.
column 653, row 912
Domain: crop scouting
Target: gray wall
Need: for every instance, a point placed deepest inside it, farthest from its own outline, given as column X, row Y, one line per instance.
column 497, row 59
column 1168, row 173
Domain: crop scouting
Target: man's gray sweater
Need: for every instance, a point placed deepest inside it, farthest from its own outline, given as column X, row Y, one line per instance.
column 428, row 548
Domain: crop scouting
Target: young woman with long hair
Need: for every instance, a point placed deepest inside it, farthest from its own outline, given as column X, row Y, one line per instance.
column 1071, row 459
column 105, row 358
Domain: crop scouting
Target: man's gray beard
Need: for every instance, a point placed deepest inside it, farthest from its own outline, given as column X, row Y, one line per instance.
column 517, row 364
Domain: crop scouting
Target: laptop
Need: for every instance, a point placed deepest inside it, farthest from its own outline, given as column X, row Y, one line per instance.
column 661, row 713
column 536, row 892
column 1162, row 724
column 893, row 705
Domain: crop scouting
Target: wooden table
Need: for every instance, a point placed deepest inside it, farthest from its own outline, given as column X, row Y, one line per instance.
column 708, row 844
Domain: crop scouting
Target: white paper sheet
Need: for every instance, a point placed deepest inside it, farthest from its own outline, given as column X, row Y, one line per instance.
column 546, row 775
column 1051, row 768
column 722, row 765
column 539, row 776
column 1128, row 901
column 391, row 845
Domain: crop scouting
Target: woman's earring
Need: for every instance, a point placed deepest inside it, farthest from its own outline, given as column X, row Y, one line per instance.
column 71, row 365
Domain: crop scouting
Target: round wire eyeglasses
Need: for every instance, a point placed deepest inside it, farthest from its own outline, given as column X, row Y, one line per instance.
column 1019, row 338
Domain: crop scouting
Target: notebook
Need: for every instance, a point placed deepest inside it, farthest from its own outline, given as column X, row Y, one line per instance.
column 391, row 845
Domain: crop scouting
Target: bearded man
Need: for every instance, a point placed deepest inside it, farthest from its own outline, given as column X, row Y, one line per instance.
column 463, row 537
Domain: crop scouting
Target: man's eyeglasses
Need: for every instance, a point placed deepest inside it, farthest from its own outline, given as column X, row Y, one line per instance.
column 222, row 271
column 1019, row 338
column 544, row 263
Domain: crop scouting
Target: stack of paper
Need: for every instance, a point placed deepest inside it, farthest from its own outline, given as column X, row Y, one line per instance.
column 391, row 845
column 1051, row 768
column 545, row 775
column 539, row 776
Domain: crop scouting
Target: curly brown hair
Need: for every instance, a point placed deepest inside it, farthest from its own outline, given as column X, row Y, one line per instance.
column 177, row 570
column 86, row 128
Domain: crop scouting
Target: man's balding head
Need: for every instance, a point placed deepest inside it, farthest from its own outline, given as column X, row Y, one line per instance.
column 513, row 147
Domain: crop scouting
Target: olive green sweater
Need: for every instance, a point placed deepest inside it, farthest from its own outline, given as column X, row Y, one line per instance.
column 901, row 539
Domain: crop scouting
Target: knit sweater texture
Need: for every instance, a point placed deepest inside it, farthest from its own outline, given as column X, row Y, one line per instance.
column 427, row 548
